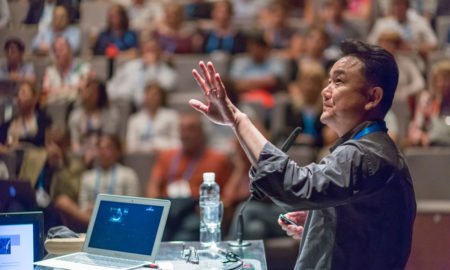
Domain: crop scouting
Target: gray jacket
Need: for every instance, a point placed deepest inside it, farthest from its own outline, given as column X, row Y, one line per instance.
column 361, row 200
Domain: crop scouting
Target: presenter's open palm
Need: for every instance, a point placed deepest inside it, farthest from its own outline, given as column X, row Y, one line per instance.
column 218, row 107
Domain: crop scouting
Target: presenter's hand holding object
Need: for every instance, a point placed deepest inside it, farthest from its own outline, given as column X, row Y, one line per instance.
column 295, row 231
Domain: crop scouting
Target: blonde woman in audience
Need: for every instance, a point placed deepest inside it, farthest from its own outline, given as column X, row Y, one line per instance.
column 410, row 80
column 143, row 13
column 431, row 123
column 28, row 127
column 94, row 116
column 63, row 79
column 60, row 26
column 154, row 127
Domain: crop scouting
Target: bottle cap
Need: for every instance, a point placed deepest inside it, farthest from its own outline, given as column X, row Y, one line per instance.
column 209, row 177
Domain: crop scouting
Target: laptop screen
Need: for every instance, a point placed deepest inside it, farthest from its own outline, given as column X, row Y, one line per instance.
column 21, row 236
column 126, row 227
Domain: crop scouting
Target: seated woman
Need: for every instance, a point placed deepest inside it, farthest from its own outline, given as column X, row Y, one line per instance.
column 15, row 68
column 223, row 36
column 305, row 106
column 155, row 126
column 117, row 38
column 28, row 127
column 60, row 26
column 93, row 117
column 430, row 124
column 172, row 33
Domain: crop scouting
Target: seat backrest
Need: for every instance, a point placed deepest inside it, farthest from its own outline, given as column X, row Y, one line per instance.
column 10, row 161
column 142, row 163
column 94, row 15
column 18, row 11
column 430, row 172
column 442, row 29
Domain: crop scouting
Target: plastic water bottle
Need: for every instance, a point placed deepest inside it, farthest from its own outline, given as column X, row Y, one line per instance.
column 210, row 211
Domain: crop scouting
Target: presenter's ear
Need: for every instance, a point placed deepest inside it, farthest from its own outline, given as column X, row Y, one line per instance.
column 374, row 97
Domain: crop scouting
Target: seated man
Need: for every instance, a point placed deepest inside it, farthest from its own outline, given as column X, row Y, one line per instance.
column 178, row 174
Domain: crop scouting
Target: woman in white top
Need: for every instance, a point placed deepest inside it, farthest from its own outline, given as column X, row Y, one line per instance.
column 154, row 127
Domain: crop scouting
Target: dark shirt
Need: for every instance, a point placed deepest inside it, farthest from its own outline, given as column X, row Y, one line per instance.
column 361, row 201
column 127, row 40
column 232, row 44
column 38, row 139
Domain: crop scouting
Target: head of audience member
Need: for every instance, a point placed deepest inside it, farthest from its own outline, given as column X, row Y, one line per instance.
column 174, row 15
column 57, row 144
column 61, row 19
column 361, row 86
column 62, row 53
column 390, row 41
column 399, row 9
column 306, row 90
column 27, row 98
column 118, row 20
column 138, row 2
column 14, row 49
column 151, row 51
column 440, row 82
column 192, row 134
column 278, row 13
column 221, row 13
column 317, row 40
column 109, row 151
column 155, row 97
column 93, row 95
column 257, row 47
column 333, row 10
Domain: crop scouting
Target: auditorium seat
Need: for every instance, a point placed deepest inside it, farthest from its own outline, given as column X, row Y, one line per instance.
column 430, row 172
column 125, row 109
column 442, row 28
column 18, row 11
column 142, row 163
column 11, row 163
column 58, row 112
column 94, row 15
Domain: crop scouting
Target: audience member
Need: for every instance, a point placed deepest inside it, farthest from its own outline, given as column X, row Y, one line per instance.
column 29, row 125
column 92, row 118
column 430, row 125
column 15, row 69
column 108, row 177
column 143, row 13
column 154, row 127
column 246, row 11
column 177, row 174
column 117, row 38
column 305, row 107
column 274, row 23
column 63, row 79
column 223, row 36
column 316, row 42
column 198, row 10
column 60, row 26
column 4, row 14
column 410, row 80
column 337, row 26
column 173, row 35
column 414, row 29
column 41, row 11
column 257, row 75
column 131, row 78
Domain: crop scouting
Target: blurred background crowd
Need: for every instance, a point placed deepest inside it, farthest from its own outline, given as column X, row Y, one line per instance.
column 94, row 93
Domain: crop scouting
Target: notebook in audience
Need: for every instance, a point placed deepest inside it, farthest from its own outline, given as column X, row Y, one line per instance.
column 21, row 240
column 124, row 233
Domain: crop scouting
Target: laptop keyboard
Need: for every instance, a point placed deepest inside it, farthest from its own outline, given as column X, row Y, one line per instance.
column 103, row 261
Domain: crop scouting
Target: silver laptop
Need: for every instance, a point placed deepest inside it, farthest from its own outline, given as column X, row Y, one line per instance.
column 124, row 233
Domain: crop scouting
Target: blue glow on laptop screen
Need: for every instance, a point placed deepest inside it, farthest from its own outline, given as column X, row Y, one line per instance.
column 126, row 227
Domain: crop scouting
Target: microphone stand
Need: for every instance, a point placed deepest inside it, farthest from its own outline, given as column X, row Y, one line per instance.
column 240, row 243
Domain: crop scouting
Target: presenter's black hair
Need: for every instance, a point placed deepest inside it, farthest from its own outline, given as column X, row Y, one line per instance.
column 380, row 68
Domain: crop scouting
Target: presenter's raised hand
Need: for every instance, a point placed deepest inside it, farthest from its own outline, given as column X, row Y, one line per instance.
column 217, row 107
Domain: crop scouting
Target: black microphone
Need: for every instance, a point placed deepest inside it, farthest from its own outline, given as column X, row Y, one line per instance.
column 258, row 195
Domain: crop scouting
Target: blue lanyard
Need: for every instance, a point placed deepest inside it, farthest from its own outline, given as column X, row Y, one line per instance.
column 112, row 184
column 375, row 127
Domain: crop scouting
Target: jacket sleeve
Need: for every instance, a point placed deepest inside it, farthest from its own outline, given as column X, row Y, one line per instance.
column 342, row 176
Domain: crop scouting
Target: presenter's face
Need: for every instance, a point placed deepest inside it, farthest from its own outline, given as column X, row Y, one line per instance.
column 345, row 95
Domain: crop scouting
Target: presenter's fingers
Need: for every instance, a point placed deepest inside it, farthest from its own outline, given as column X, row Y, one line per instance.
column 206, row 74
column 199, row 106
column 298, row 216
column 201, row 82
column 220, row 87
